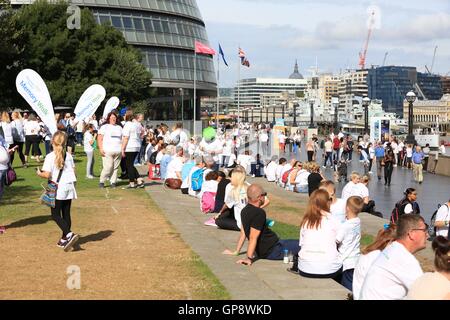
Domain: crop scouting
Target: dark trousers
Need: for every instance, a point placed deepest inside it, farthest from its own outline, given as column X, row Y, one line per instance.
column 61, row 215
column 336, row 276
column 19, row 151
column 310, row 156
column 370, row 164
column 133, row 174
column 48, row 147
column 123, row 168
column 328, row 155
column 226, row 221
column 388, row 168
column 277, row 252
column 79, row 137
column 347, row 279
column 32, row 140
column 425, row 163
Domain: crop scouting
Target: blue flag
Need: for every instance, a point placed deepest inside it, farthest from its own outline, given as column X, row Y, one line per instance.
column 223, row 55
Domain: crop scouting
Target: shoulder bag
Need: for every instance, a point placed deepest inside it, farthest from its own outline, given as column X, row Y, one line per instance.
column 48, row 198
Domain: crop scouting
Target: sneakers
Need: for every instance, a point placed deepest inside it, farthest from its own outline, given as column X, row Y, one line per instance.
column 89, row 177
column 101, row 185
column 130, row 187
column 72, row 238
column 293, row 270
column 113, row 185
column 2, row 229
column 211, row 222
column 61, row 243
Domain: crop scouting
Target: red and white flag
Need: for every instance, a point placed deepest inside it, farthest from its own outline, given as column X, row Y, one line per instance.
column 203, row 49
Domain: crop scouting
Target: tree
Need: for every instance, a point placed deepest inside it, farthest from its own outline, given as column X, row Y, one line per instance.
column 71, row 60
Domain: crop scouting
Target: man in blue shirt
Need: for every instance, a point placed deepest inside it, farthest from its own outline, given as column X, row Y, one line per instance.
column 379, row 154
column 417, row 159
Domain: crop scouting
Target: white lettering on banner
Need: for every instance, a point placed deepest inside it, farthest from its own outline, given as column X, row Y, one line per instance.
column 33, row 89
column 89, row 102
column 112, row 104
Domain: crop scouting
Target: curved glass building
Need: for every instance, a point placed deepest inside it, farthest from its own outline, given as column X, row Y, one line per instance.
column 164, row 31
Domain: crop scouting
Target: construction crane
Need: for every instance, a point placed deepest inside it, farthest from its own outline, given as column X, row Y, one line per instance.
column 434, row 58
column 384, row 60
column 363, row 54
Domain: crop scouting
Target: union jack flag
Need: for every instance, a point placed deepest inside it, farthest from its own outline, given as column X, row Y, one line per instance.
column 244, row 60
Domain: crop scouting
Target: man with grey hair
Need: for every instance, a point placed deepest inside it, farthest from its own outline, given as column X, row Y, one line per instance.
column 270, row 169
column 395, row 270
column 173, row 177
column 263, row 242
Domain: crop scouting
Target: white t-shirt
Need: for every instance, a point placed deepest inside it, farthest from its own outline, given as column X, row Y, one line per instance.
column 302, row 177
column 286, row 168
column 281, row 138
column 349, row 236
column 31, row 128
column 409, row 152
column 86, row 142
column 7, row 132
column 362, row 267
column 318, row 252
column 183, row 137
column 391, row 275
column 351, row 189
column 17, row 125
column 227, row 147
column 443, row 214
column 278, row 171
column 175, row 165
column 4, row 157
column 210, row 186
column 211, row 147
column 245, row 161
column 94, row 123
column 80, row 126
column 337, row 210
column 328, row 146
column 66, row 186
column 263, row 137
column 237, row 204
column 132, row 130
column 112, row 138
column 270, row 171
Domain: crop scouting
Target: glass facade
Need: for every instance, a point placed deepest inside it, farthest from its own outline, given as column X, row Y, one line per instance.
column 164, row 31
column 431, row 85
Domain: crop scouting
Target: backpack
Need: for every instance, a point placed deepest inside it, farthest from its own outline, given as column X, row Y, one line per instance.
column 208, row 202
column 395, row 212
column 284, row 178
column 152, row 159
column 431, row 227
column 197, row 180
column 176, row 140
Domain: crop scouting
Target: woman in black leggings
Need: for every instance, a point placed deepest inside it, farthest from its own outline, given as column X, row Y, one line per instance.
column 131, row 144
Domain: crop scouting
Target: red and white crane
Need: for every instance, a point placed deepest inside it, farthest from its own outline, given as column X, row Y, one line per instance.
column 363, row 54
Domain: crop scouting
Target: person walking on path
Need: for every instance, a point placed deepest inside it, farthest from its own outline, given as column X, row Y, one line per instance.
column 389, row 162
column 59, row 165
column 90, row 136
column 417, row 158
column 379, row 154
column 426, row 154
column 328, row 153
column 110, row 147
column 18, row 136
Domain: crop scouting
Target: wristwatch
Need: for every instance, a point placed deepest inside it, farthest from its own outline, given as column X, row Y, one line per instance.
column 446, row 223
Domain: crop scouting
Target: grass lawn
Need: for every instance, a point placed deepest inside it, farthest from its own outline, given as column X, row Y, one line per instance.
column 127, row 249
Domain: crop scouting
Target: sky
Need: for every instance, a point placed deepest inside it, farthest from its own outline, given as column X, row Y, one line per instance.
column 274, row 33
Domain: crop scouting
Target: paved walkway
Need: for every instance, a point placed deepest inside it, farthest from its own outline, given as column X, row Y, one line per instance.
column 263, row 280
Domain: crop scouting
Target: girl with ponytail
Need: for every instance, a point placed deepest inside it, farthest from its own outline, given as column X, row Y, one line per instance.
column 59, row 167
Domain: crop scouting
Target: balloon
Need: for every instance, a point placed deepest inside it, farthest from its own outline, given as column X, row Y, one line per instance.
column 209, row 134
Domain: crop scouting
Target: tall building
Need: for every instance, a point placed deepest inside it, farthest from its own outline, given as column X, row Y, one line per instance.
column 352, row 87
column 164, row 31
column 445, row 82
column 391, row 84
column 328, row 88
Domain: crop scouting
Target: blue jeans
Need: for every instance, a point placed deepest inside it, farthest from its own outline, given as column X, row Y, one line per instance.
column 347, row 279
column 302, row 189
column 278, row 251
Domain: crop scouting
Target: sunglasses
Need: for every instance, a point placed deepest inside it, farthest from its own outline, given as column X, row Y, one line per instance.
column 423, row 229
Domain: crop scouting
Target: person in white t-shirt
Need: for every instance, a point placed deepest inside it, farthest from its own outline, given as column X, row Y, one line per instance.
column 227, row 151
column 32, row 137
column 270, row 170
column 285, row 169
column 349, row 240
column 79, row 131
column 54, row 162
column 337, row 206
column 318, row 256
column 175, row 166
column 211, row 148
column 89, row 139
column 281, row 164
column 131, row 146
column 282, row 141
column 355, row 188
column 443, row 220
column 178, row 137
column 110, row 147
column 395, row 269
column 369, row 254
column 264, row 139
column 245, row 160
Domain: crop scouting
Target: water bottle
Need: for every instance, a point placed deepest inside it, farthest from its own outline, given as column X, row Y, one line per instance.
column 286, row 256
column 270, row 223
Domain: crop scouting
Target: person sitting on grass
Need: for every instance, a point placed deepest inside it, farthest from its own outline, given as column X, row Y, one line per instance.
column 349, row 240
column 263, row 242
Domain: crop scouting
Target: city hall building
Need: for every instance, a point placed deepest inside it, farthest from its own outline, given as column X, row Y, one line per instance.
column 164, row 31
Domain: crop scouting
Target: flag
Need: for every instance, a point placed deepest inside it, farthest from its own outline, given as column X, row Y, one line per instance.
column 223, row 55
column 244, row 60
column 203, row 49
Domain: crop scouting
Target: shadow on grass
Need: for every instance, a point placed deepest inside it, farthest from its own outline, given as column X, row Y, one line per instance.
column 29, row 222
column 99, row 236
column 20, row 194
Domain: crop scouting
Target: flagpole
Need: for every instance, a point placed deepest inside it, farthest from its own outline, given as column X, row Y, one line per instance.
column 195, row 89
column 239, row 84
column 218, row 92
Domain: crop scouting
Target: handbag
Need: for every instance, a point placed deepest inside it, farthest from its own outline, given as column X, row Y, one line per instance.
column 10, row 176
column 48, row 198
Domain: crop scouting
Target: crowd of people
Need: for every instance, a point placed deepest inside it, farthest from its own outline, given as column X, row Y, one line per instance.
column 215, row 169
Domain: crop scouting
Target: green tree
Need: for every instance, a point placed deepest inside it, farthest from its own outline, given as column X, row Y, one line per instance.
column 71, row 60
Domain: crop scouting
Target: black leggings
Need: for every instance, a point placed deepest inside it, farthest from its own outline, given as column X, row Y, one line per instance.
column 226, row 221
column 133, row 174
column 19, row 150
column 388, row 167
column 336, row 276
column 32, row 140
column 310, row 156
column 61, row 215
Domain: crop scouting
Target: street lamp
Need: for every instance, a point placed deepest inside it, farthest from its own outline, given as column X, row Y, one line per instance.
column 182, row 104
column 311, row 104
column 295, row 113
column 283, row 104
column 335, row 103
column 410, row 97
column 273, row 113
column 267, row 114
column 366, row 102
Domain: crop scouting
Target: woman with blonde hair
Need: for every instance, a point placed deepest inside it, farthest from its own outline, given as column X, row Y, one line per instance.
column 7, row 128
column 59, row 167
column 18, row 136
column 318, row 256
column 32, row 137
column 368, row 255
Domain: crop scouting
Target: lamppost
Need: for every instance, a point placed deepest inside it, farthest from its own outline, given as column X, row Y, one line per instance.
column 273, row 106
column 295, row 113
column 311, row 104
column 260, row 114
column 283, row 104
column 366, row 102
column 410, row 97
column 182, row 104
column 336, row 105
column 267, row 114
column 252, row 116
